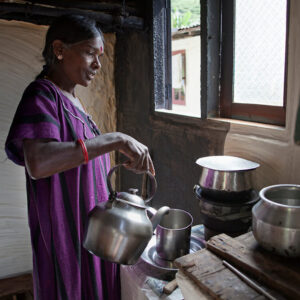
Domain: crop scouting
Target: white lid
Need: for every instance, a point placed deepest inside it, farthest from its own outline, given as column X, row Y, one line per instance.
column 226, row 163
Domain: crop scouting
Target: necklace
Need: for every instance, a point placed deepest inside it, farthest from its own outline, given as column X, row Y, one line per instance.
column 92, row 125
column 75, row 100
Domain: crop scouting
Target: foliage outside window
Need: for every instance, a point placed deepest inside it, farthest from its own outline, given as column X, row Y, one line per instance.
column 183, row 58
column 185, row 13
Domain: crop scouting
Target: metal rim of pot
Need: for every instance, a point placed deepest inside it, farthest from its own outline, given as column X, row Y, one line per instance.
column 276, row 225
column 265, row 190
column 222, row 175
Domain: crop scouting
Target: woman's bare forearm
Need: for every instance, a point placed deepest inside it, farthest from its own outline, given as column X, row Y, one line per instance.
column 44, row 158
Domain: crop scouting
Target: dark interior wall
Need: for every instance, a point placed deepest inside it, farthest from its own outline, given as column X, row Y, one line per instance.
column 174, row 142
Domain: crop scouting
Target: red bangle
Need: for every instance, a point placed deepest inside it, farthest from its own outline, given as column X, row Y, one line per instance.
column 84, row 150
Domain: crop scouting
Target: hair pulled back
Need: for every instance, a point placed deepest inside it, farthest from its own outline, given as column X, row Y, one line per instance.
column 69, row 29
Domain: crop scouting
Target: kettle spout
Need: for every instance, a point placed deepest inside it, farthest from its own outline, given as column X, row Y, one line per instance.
column 156, row 215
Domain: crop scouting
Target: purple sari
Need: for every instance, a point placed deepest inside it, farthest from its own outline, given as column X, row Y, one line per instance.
column 58, row 205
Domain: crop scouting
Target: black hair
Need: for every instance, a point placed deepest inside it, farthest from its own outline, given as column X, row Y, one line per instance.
column 69, row 29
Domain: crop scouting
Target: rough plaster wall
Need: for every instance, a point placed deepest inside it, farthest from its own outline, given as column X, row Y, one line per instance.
column 174, row 146
column 274, row 147
column 20, row 61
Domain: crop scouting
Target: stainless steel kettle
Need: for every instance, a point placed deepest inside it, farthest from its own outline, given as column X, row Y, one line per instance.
column 119, row 229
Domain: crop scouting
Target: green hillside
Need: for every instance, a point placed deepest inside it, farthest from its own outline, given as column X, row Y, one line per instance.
column 185, row 13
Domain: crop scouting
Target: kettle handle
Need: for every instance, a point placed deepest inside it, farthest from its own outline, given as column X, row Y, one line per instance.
column 113, row 193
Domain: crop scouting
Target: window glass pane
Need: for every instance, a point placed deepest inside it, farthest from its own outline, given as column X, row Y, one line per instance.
column 259, row 52
column 186, row 75
column 178, row 77
column 185, row 45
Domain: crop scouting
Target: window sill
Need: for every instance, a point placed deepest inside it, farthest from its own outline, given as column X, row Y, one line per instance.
column 256, row 129
column 266, row 131
column 165, row 116
column 239, row 127
column 183, row 113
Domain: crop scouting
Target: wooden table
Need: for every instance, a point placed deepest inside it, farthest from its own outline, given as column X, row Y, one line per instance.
column 277, row 275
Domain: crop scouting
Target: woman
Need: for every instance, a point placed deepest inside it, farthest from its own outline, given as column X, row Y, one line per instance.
column 66, row 161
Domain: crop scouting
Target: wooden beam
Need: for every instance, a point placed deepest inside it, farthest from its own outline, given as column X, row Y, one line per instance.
column 18, row 284
column 90, row 5
column 28, row 12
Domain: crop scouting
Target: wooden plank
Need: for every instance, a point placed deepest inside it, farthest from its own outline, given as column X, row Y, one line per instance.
column 170, row 287
column 17, row 284
column 275, row 271
column 249, row 241
column 189, row 289
column 208, row 272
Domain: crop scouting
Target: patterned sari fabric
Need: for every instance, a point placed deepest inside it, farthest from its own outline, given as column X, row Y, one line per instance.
column 58, row 205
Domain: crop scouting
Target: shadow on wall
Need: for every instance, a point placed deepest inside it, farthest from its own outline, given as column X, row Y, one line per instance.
column 175, row 145
column 297, row 127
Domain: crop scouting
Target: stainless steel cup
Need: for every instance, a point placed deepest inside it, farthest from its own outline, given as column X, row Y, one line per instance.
column 173, row 234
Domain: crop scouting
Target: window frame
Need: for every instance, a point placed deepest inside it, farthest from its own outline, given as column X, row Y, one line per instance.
column 275, row 115
column 162, row 63
column 162, row 54
column 213, row 82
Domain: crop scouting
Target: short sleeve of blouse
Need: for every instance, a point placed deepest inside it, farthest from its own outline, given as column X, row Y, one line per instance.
column 36, row 117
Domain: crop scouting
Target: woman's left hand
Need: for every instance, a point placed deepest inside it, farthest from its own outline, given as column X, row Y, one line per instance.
column 139, row 157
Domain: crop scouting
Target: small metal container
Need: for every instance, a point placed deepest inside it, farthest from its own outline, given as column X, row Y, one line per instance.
column 173, row 234
column 276, row 219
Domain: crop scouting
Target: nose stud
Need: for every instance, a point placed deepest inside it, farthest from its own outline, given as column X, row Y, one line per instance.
column 97, row 64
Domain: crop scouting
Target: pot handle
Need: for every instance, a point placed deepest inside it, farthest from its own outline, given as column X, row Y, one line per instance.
column 197, row 190
column 114, row 193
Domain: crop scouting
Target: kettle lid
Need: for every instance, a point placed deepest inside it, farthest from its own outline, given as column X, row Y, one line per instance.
column 131, row 197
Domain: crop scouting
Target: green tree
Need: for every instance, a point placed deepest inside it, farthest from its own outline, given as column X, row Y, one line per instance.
column 180, row 20
column 185, row 13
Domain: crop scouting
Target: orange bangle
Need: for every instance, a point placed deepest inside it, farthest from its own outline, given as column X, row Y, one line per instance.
column 84, row 150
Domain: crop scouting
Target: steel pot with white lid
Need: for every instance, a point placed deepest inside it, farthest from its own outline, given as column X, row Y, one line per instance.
column 226, row 177
column 119, row 229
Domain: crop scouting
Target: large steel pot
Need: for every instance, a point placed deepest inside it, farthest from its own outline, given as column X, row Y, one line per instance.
column 276, row 219
column 226, row 177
